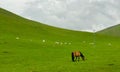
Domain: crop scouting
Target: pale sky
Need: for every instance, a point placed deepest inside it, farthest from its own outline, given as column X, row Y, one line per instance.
column 81, row 15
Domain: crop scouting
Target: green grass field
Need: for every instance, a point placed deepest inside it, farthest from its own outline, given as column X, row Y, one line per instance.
column 28, row 46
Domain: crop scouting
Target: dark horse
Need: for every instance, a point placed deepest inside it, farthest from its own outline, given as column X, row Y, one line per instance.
column 76, row 56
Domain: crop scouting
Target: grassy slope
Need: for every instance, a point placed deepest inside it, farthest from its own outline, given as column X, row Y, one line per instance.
column 112, row 31
column 30, row 54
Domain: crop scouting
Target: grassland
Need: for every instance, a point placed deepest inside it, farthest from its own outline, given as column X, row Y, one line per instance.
column 22, row 48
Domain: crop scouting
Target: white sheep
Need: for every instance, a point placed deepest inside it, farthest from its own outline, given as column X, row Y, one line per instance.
column 69, row 43
column 56, row 42
column 43, row 41
column 17, row 38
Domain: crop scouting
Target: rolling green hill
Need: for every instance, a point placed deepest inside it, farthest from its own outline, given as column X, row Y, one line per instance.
column 18, row 26
column 28, row 46
column 112, row 31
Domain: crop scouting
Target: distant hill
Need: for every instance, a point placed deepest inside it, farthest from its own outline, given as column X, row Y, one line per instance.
column 112, row 31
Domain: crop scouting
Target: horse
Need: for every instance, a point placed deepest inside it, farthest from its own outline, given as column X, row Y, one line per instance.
column 76, row 56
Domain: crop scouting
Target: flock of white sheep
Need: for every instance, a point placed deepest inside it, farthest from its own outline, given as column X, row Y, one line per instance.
column 65, row 43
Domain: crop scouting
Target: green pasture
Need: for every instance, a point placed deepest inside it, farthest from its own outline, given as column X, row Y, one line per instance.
column 28, row 46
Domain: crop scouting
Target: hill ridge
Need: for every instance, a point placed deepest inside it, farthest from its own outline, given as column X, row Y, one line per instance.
column 111, row 31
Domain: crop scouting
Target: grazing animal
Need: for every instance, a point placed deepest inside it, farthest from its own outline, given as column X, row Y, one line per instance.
column 76, row 56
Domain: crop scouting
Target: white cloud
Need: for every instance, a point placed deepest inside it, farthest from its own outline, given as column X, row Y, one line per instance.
column 87, row 15
column 16, row 6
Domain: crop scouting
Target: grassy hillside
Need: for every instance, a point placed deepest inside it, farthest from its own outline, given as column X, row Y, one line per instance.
column 112, row 31
column 15, row 25
column 28, row 46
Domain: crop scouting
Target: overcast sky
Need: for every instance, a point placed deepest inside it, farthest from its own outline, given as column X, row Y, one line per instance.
column 83, row 15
